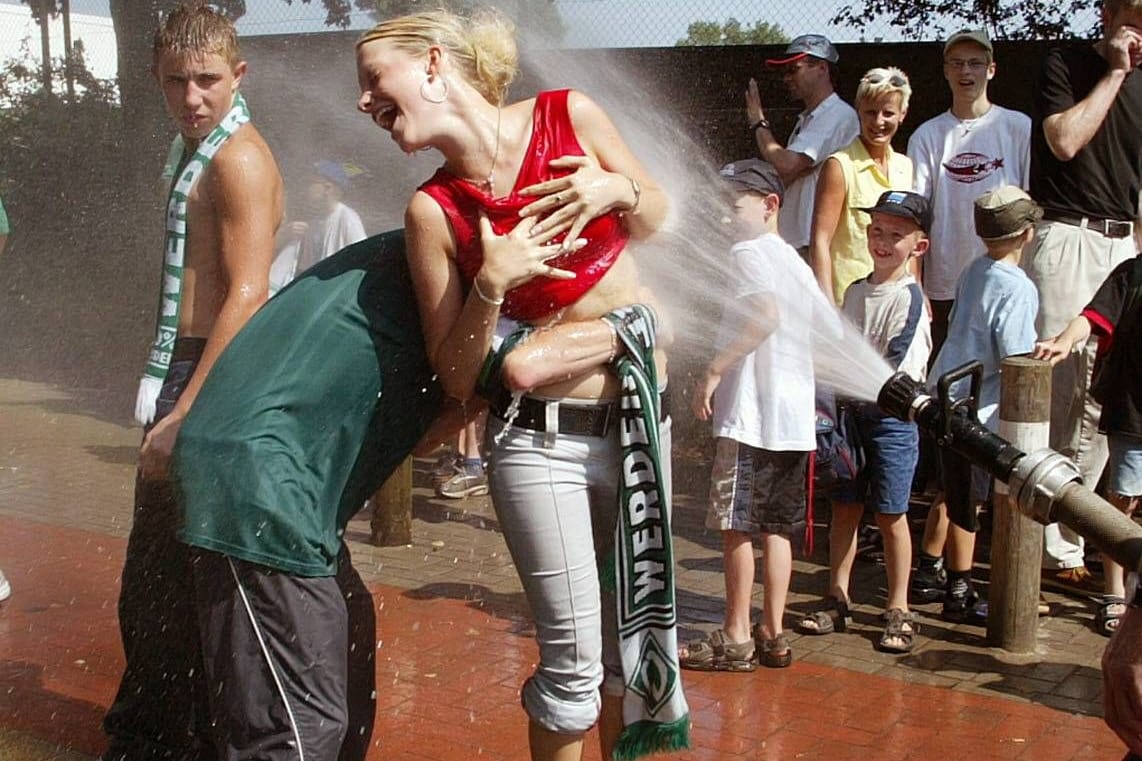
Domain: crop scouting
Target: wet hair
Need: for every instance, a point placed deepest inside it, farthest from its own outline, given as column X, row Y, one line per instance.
column 196, row 29
column 881, row 81
column 481, row 45
column 1112, row 7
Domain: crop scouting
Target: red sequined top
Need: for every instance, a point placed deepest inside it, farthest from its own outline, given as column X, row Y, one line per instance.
column 552, row 136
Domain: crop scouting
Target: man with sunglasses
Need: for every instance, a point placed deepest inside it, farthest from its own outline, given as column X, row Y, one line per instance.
column 1086, row 173
column 827, row 124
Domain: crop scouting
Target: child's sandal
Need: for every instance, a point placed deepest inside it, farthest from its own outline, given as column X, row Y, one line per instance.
column 775, row 653
column 899, row 633
column 831, row 615
column 1110, row 613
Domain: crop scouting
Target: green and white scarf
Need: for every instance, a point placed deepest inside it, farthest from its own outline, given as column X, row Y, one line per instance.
column 655, row 715
column 641, row 569
column 174, row 253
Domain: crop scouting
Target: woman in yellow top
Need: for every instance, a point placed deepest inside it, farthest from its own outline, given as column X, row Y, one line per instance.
column 854, row 178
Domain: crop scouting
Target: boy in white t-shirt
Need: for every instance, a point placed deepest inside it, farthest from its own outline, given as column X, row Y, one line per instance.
column 758, row 392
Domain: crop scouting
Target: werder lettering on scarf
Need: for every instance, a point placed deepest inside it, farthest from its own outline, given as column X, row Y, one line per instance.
column 655, row 715
column 174, row 255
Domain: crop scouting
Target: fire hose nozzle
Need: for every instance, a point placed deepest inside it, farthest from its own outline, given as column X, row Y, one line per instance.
column 1037, row 481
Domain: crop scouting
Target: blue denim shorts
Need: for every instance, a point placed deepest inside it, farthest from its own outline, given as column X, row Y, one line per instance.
column 1124, row 468
column 891, row 449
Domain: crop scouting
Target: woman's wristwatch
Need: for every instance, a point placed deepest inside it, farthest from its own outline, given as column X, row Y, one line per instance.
column 761, row 123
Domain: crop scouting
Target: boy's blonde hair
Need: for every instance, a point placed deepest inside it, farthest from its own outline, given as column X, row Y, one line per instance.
column 882, row 81
column 482, row 46
column 196, row 29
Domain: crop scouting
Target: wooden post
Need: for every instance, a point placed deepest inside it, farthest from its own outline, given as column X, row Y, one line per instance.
column 392, row 508
column 1017, row 541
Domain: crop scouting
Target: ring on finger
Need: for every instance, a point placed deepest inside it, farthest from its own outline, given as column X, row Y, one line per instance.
column 558, row 198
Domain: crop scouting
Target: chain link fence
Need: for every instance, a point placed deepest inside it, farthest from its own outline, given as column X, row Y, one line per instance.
column 575, row 23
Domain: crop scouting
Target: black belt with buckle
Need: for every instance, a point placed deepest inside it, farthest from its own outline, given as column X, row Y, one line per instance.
column 1110, row 228
column 574, row 419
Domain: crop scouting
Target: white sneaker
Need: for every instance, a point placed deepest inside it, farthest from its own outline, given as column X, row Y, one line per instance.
column 5, row 587
column 464, row 485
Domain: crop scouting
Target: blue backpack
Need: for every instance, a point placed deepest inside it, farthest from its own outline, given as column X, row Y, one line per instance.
column 840, row 456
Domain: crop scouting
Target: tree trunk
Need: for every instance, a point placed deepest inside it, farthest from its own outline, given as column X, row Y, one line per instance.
column 68, row 53
column 143, row 119
column 45, row 18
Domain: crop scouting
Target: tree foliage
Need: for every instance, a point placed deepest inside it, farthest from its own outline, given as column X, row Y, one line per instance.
column 732, row 33
column 1004, row 19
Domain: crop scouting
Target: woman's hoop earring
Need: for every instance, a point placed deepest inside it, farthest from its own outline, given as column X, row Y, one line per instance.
column 424, row 93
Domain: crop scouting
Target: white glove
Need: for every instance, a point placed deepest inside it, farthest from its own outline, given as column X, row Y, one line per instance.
column 149, row 388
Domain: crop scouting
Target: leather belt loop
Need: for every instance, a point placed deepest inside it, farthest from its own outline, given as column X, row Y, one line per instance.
column 550, row 423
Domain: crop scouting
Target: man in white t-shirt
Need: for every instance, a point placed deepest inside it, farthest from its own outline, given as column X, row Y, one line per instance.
column 972, row 148
column 809, row 68
column 329, row 226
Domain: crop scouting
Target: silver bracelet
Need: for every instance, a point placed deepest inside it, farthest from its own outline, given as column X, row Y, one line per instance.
column 483, row 298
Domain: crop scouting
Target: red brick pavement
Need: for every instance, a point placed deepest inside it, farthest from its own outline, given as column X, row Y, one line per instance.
column 448, row 674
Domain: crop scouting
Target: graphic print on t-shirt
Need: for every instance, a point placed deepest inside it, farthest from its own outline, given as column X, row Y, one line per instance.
column 969, row 167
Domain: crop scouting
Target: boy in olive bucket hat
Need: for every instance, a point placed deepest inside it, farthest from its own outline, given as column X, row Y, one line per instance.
column 993, row 317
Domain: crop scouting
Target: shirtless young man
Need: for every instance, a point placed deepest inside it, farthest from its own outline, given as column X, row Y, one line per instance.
column 224, row 209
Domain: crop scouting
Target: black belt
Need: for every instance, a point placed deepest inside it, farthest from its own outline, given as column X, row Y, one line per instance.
column 574, row 419
column 1110, row 228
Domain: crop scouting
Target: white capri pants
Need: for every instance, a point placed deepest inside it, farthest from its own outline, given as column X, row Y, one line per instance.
column 556, row 499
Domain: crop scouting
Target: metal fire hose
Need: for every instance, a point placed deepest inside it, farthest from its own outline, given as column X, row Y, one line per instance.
column 1045, row 485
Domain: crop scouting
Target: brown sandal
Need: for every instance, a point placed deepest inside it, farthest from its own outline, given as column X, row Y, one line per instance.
column 900, row 632
column 715, row 652
column 775, row 653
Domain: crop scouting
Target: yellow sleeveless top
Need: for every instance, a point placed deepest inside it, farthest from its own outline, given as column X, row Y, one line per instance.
column 864, row 182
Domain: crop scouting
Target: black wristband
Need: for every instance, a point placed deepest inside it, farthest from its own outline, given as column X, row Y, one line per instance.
column 760, row 124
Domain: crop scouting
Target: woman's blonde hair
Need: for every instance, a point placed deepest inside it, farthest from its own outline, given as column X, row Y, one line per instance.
column 482, row 45
column 881, row 81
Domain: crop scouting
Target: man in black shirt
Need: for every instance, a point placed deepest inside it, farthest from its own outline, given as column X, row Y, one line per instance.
column 1086, row 171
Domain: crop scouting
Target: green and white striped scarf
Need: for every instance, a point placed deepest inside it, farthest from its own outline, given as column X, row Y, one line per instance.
column 641, row 568
column 655, row 715
column 174, row 254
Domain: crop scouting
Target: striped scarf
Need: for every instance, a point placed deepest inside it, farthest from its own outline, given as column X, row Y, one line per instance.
column 655, row 715
column 174, row 254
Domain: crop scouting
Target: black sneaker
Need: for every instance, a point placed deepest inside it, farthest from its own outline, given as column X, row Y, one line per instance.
column 968, row 608
column 927, row 585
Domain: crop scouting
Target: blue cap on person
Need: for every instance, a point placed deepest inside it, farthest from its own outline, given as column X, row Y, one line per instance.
column 815, row 45
column 332, row 171
column 901, row 203
column 754, row 175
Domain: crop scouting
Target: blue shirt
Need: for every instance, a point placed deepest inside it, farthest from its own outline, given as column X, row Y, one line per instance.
column 993, row 317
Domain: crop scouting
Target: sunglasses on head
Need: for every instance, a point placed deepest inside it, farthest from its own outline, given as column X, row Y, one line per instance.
column 893, row 79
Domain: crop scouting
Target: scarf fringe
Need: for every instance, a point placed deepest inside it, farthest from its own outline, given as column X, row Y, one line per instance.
column 644, row 738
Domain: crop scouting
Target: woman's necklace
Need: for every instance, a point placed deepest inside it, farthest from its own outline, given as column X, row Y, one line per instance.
column 490, row 180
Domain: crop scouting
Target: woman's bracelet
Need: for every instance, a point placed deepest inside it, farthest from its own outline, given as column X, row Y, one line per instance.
column 614, row 340
column 637, row 195
column 483, row 298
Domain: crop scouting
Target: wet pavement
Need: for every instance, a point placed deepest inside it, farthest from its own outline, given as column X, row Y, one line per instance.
column 456, row 639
